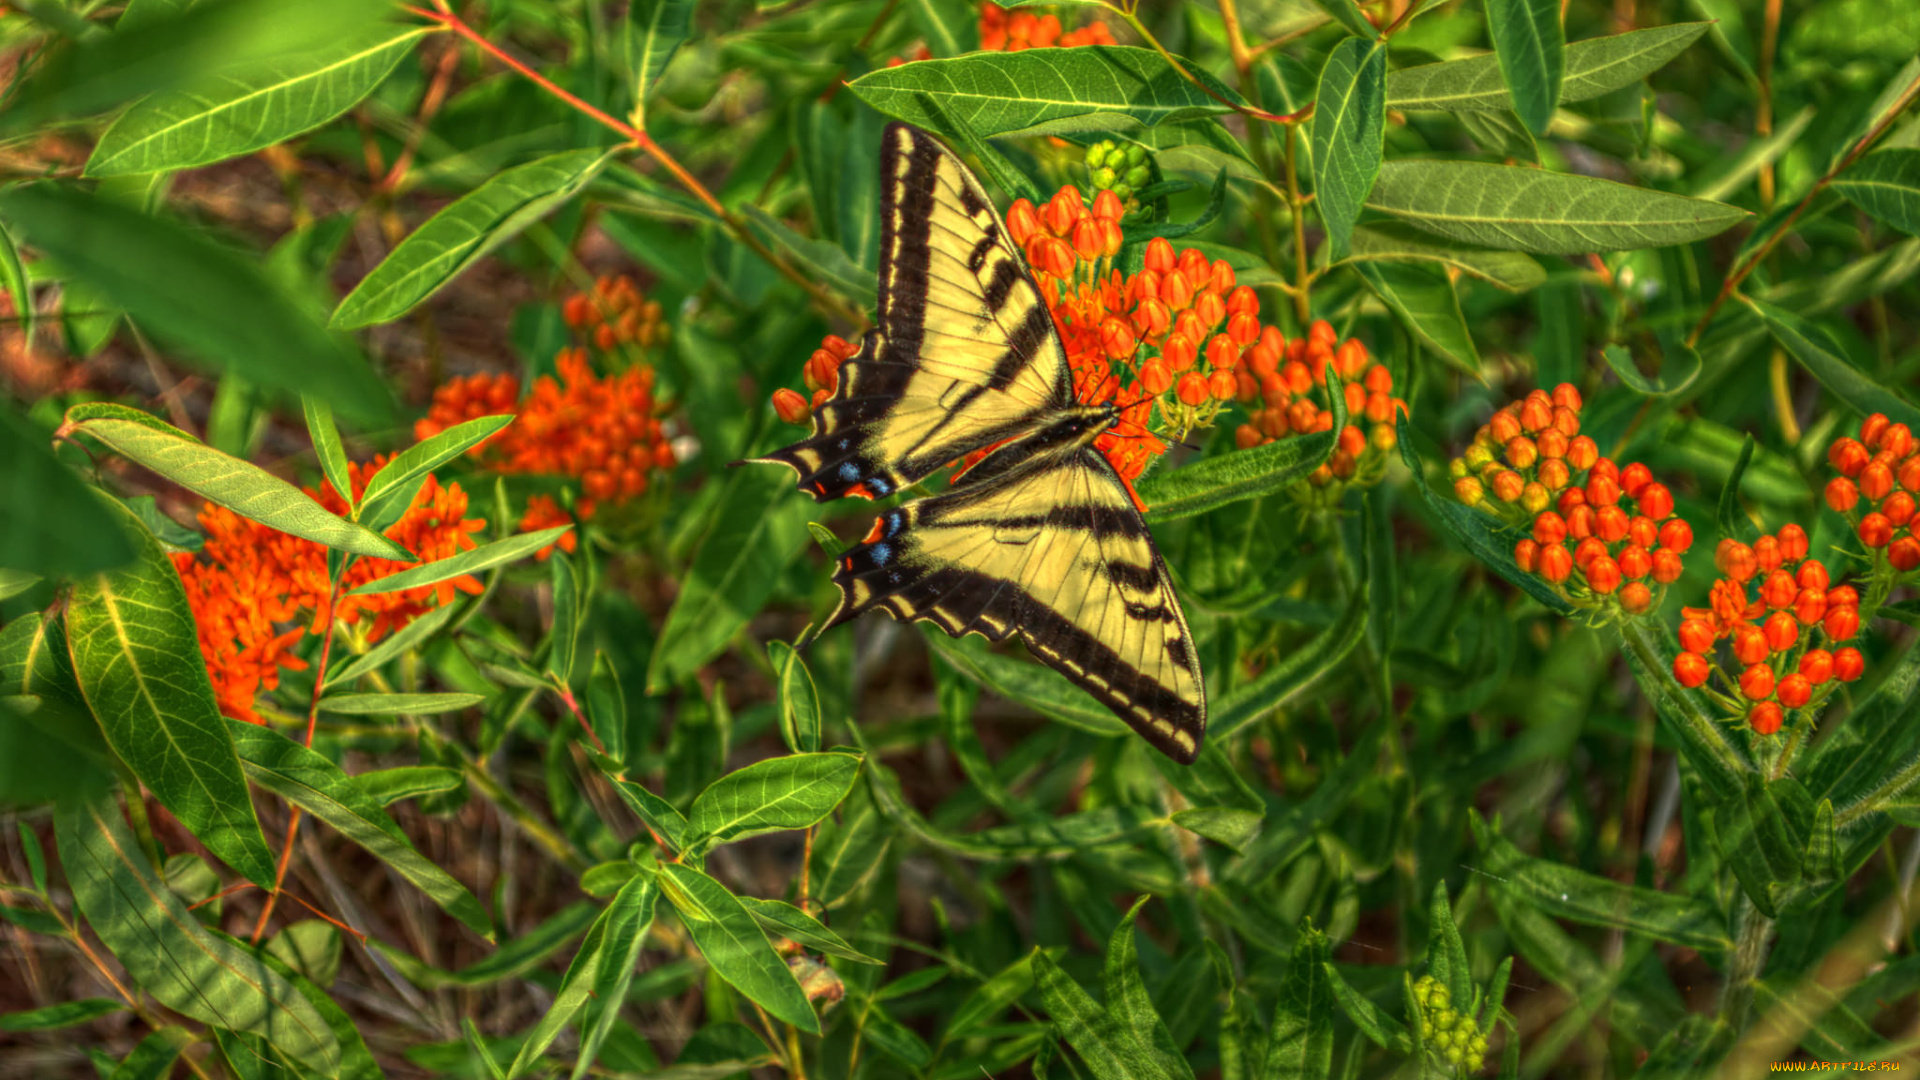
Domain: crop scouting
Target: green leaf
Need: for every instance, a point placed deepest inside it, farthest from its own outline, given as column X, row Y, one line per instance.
column 652, row 32
column 757, row 529
column 770, row 796
column 195, row 294
column 1348, row 14
column 311, row 782
column 613, row 937
column 166, row 951
column 990, row 999
column 423, row 457
column 949, row 27
column 327, row 446
column 13, row 279
column 1215, row 481
column 131, row 635
column 1676, row 374
column 1824, row 360
column 1106, row 1046
column 1041, row 689
column 1483, row 537
column 1531, row 46
column 1514, row 208
column 398, row 704
column 1735, row 525
column 1387, row 241
column 484, row 557
column 1566, row 893
column 521, row 953
column 607, row 706
column 734, row 945
column 463, row 233
column 233, row 114
column 850, row 850
column 414, row 635
column 1423, row 297
column 655, row 812
column 799, row 699
column 1300, row 1046
column 823, row 260
column 64, row 1014
column 1687, row 713
column 1349, row 122
column 1887, row 186
column 1045, row 91
column 1229, row 826
column 244, row 488
column 153, row 1058
column 1446, row 953
column 1129, row 1004
column 628, row 919
column 50, row 523
column 1594, row 67
column 1384, row 1030
column 785, row 920
column 389, row 786
column 564, row 641
column 311, row 947
column 1287, row 679
column 1862, row 762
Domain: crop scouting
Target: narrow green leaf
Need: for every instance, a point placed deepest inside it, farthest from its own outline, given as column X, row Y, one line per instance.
column 1102, row 1041
column 628, row 919
column 1734, row 524
column 735, row 946
column 398, row 704
column 1686, row 713
column 414, row 635
column 1286, row 680
column 13, row 279
column 484, row 557
column 1040, row 688
column 1594, row 67
column 1681, row 367
column 1382, row 1029
column 564, row 641
column 51, row 524
column 652, row 32
column 15, row 582
column 609, row 941
column 154, row 1056
column 1348, row 14
column 949, row 27
column 233, row 114
column 756, row 530
column 311, row 782
column 1887, row 186
column 166, row 951
column 799, row 699
column 785, row 920
column 463, row 233
column 195, row 294
column 655, row 812
column 1514, row 208
column 1045, row 91
column 1003, row 173
column 1213, row 481
column 429, row 454
column 1824, row 360
column 820, row 259
column 520, row 954
column 770, row 796
column 155, row 702
column 389, row 786
column 1129, row 1003
column 327, row 446
column 1446, row 953
column 1349, row 123
column 1389, row 241
column 1228, row 826
column 990, row 999
column 1531, row 46
column 64, row 1014
column 244, row 488
column 607, row 706
column 1300, row 1046
column 1423, row 297
column 850, row 850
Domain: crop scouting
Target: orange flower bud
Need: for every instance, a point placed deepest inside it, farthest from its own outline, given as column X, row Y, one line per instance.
column 1767, row 555
column 1876, row 481
column 1897, row 441
column 1782, row 631
column 1116, row 338
column 1642, row 531
column 1536, row 414
column 1244, row 329
column 1156, row 377
column 1602, row 490
column 1904, row 553
column 1508, row 485
column 1634, row 477
column 1246, row 437
column 1580, row 519
column 1555, row 564
column 1087, row 241
column 1764, row 718
column 1263, row 360
column 1064, row 211
column 1524, row 554
column 1849, row 665
column 1690, row 670
column 1841, row 623
column 1779, row 589
column 1193, row 388
column 1469, row 490
column 1023, row 221
column 1223, row 384
column 1750, row 644
column 1159, row 256
column 1610, row 524
column 1176, row 290
column 1535, row 497
column 1178, row 352
column 1222, row 352
column 1553, row 473
column 1635, row 598
column 1107, row 206
column 1295, row 374
column 1841, row 494
column 1635, row 562
column 1810, row 606
column 1504, row 427
column 1582, row 453
column 1567, row 396
column 1795, row 691
column 1735, row 560
column 1352, row 440
column 791, row 406
column 1909, row 474
column 1112, row 238
column 1586, row 551
column 1676, row 534
column 1552, row 444
column 1210, row 309
column 1656, row 501
column 1757, row 682
column 1151, row 318
column 1666, row 566
column 1549, row 528
column 1817, row 666
column 1898, row 508
column 1876, row 531
column 1848, row 456
column 1696, row 635
column 1060, row 259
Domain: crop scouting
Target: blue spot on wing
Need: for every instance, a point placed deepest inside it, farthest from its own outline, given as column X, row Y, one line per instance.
column 849, row 472
column 894, row 521
column 879, row 487
column 881, row 553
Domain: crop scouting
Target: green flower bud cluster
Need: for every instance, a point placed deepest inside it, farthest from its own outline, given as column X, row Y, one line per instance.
column 1120, row 169
column 1447, row 1032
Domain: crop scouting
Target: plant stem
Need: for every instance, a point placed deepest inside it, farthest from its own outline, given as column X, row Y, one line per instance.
column 1744, row 964
column 1303, row 275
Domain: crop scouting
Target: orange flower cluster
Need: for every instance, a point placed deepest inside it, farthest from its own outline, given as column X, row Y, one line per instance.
column 1882, row 470
column 1278, row 381
column 602, row 431
column 616, row 315
column 1001, row 32
column 1620, row 520
column 249, row 579
column 1774, row 606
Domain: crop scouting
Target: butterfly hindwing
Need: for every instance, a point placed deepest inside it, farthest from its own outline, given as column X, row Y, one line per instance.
column 966, row 354
column 1054, row 551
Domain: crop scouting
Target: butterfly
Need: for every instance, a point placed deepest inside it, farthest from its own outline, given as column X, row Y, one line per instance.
column 1041, row 538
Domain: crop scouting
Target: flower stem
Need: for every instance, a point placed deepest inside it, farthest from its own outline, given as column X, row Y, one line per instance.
column 1744, row 964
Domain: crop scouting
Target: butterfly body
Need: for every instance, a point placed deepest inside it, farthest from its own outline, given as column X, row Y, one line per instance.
column 1041, row 538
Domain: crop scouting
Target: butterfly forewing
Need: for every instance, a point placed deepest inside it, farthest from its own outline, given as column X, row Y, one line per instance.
column 966, row 354
column 1054, row 551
